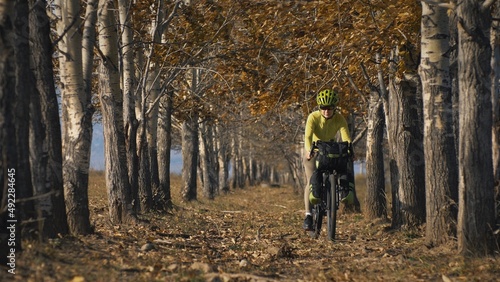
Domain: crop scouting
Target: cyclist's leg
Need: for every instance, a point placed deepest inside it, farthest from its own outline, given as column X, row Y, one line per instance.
column 309, row 167
column 316, row 182
column 347, row 183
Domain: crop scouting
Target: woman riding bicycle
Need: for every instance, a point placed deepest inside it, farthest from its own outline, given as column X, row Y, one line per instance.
column 323, row 125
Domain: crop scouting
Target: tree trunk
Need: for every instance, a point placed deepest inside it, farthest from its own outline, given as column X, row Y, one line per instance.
column 409, row 201
column 223, row 158
column 453, row 57
column 154, row 92
column 234, row 161
column 131, row 126
column 391, row 127
column 38, row 160
column 208, row 192
column 55, row 220
column 190, row 151
column 476, row 217
column 250, row 168
column 402, row 107
column 153, row 87
column 146, row 151
column 88, row 43
column 128, row 84
column 238, row 180
column 440, row 158
column 145, row 194
column 495, row 65
column 375, row 202
column 164, row 146
column 38, row 154
column 77, row 118
column 119, row 193
column 208, row 160
column 8, row 164
column 25, row 84
column 295, row 169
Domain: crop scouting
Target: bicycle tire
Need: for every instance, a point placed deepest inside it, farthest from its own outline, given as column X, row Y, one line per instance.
column 317, row 215
column 332, row 201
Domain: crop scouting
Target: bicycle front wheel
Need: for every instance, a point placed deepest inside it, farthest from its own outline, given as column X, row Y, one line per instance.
column 332, row 209
column 317, row 215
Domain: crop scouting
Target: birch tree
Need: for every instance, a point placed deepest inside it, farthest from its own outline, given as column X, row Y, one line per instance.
column 223, row 157
column 44, row 103
column 375, row 202
column 441, row 164
column 165, row 145
column 238, row 180
column 128, row 88
column 476, row 218
column 407, row 166
column 208, row 159
column 77, row 114
column 117, row 181
column 152, row 90
column 190, row 151
column 190, row 140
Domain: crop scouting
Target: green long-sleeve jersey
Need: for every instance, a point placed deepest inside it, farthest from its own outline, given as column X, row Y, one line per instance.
column 320, row 128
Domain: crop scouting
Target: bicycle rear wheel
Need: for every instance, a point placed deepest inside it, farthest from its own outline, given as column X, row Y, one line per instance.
column 317, row 215
column 332, row 201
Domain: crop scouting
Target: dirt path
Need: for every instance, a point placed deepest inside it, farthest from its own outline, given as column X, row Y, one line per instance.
column 252, row 234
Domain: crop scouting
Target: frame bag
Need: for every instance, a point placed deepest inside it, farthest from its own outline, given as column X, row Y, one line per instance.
column 332, row 155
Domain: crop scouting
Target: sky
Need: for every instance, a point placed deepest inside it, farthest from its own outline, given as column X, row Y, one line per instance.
column 97, row 153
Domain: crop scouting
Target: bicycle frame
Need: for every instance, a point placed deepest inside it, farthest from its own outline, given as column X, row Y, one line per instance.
column 329, row 203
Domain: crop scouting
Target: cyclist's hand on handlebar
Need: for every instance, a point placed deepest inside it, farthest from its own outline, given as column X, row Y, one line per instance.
column 311, row 154
column 308, row 156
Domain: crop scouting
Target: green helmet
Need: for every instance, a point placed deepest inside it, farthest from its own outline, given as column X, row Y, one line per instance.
column 327, row 98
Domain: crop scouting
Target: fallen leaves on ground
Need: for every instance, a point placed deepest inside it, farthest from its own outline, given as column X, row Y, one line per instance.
column 251, row 234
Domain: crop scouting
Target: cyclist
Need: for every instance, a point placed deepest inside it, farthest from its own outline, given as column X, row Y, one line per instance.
column 324, row 125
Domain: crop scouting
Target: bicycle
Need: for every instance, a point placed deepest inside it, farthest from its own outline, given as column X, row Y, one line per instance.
column 330, row 191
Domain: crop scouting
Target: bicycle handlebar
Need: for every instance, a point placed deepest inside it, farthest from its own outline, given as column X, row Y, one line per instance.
column 314, row 147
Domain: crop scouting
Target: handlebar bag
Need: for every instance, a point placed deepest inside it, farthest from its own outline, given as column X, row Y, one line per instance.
column 332, row 155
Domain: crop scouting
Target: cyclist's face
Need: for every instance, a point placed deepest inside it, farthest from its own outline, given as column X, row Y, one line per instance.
column 327, row 112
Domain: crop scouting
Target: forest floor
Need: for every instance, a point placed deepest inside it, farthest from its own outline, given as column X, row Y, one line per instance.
column 251, row 234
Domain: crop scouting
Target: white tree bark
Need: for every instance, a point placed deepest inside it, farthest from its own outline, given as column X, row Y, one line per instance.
column 208, row 162
column 190, row 142
column 190, row 152
column 376, row 201
column 441, row 165
column 76, row 116
column 128, row 84
column 119, row 193
column 223, row 157
column 164, row 146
